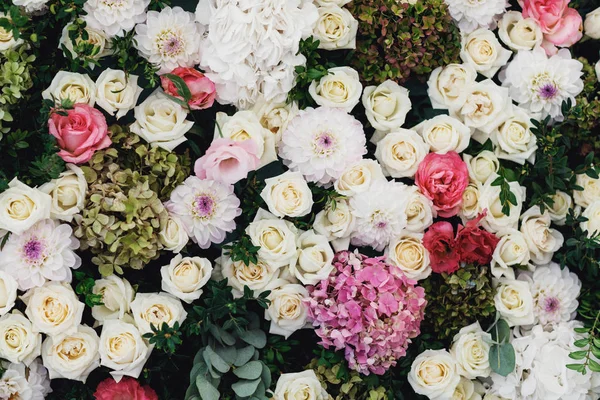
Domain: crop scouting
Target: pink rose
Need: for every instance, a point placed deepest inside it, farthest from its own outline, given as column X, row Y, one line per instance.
column 443, row 178
column 126, row 389
column 80, row 133
column 475, row 244
column 569, row 31
column 562, row 26
column 441, row 246
column 227, row 161
column 202, row 89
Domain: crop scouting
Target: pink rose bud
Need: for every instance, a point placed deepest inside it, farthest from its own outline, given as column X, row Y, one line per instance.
column 227, row 161
column 201, row 88
column 127, row 388
column 80, row 133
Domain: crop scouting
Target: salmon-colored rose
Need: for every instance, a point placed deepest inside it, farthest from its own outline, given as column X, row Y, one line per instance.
column 474, row 244
column 126, row 389
column 441, row 245
column 202, row 89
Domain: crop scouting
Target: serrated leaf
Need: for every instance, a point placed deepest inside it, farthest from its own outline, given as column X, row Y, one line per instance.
column 245, row 388
column 502, row 359
column 251, row 370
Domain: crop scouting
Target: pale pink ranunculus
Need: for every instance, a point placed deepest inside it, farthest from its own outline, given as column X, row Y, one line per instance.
column 202, row 89
column 569, row 31
column 227, row 161
column 79, row 133
column 126, row 389
column 443, row 178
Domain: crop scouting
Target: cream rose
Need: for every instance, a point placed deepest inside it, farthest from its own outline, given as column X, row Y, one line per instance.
column 301, row 385
column 590, row 192
column 185, row 277
column 314, row 258
column 173, row 235
column 161, row 122
column 519, row 33
column 336, row 222
column 514, row 302
column 287, row 195
column 513, row 138
column 400, row 153
column 591, row 25
column 73, row 356
column 340, row 88
column 117, row 295
column 486, row 105
column 542, row 240
column 117, row 92
column 489, row 199
column 53, row 308
column 511, row 251
column 67, row 192
column 470, row 204
column 123, row 349
column 434, row 374
column 276, row 238
column 8, row 292
column 155, row 309
column 483, row 52
column 597, row 69
column 18, row 341
column 447, row 86
column 386, row 105
column 7, row 39
column 339, row 3
column 419, row 211
column 255, row 276
column 78, row 88
column 592, row 213
column 443, row 134
column 408, row 253
column 471, row 349
column 559, row 209
column 336, row 28
column 275, row 116
column 96, row 38
column 287, row 310
column 482, row 166
column 465, row 390
column 22, row 206
column 358, row 177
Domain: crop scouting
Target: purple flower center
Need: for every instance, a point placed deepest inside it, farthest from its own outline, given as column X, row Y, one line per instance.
column 381, row 224
column 551, row 304
column 325, row 143
column 204, row 205
column 33, row 249
column 548, row 91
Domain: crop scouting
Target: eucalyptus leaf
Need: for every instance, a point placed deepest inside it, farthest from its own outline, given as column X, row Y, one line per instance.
column 265, row 376
column 501, row 332
column 245, row 388
column 244, row 355
column 255, row 337
column 216, row 361
column 229, row 353
column 206, row 390
column 252, row 370
column 502, row 358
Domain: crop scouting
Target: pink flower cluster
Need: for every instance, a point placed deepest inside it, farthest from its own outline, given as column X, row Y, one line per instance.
column 368, row 308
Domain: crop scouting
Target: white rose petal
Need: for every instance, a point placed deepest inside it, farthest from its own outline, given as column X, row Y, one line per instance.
column 287, row 195
column 489, row 199
column 255, row 276
column 173, row 235
column 336, row 223
column 72, row 356
column 336, row 28
column 358, row 177
column 470, row 204
column 592, row 213
column 18, row 341
column 301, row 385
column 434, row 374
column 67, row 192
column 542, row 240
column 514, row 302
column 276, row 238
column 287, row 310
column 8, row 292
column 482, row 166
column 443, row 134
column 96, row 37
column 447, row 86
column 590, row 192
column 117, row 92
column 340, row 88
column 155, row 309
column 314, row 258
column 511, row 251
column 419, row 211
column 513, row 138
column 408, row 253
column 123, row 349
column 519, row 33
column 185, row 277
column 7, row 39
column 400, row 153
column 78, row 88
column 21, row 207
column 591, row 25
column 483, row 52
column 275, row 116
column 117, row 295
column 470, row 349
column 560, row 207
column 386, row 105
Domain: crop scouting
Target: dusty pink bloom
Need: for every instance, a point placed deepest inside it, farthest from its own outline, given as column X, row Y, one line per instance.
column 227, row 161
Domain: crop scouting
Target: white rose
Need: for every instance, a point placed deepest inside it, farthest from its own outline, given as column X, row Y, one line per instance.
column 96, row 37
column 443, row 134
column 386, row 105
column 173, row 235
column 560, row 207
column 340, row 88
column 591, row 26
column 21, row 207
column 275, row 116
column 434, row 374
column 117, row 92
column 471, row 349
column 73, row 356
column 7, row 39
column 592, row 213
column 287, row 310
column 419, row 211
column 470, row 204
column 123, row 349
column 489, row 199
column 8, row 292
column 255, row 276
column 78, row 88
column 185, row 277
column 482, row 166
column 542, row 240
column 358, row 177
column 161, row 122
column 155, row 309
column 336, row 222
column 465, row 390
column 314, row 258
column 514, row 302
column 336, row 28
column 483, row 52
column 67, row 192
column 301, row 385
column 447, row 86
column 400, row 153
column 18, row 341
column 597, row 68
column 53, row 308
column 117, row 295
column 511, row 251
column 31, row 5
column 513, row 138
column 486, row 105
column 408, row 253
column 519, row 33
column 245, row 125
column 590, row 192
column 287, row 195
column 276, row 238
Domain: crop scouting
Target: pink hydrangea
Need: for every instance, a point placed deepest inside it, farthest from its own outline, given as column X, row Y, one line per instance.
column 368, row 308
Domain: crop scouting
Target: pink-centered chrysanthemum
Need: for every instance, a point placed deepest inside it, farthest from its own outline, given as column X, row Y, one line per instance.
column 368, row 308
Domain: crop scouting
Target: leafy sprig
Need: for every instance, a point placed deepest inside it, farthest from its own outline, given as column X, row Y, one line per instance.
column 165, row 338
column 84, row 287
column 242, row 250
column 590, row 345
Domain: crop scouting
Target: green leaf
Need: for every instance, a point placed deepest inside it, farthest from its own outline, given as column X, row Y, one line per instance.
column 502, row 358
column 581, row 342
column 244, row 355
column 216, row 361
column 245, row 388
column 251, row 370
column 255, row 337
column 501, row 332
column 206, row 390
column 181, row 86
column 577, row 367
column 578, row 355
column 594, row 366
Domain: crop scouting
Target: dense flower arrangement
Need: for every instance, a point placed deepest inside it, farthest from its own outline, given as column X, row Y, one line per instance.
column 299, row 199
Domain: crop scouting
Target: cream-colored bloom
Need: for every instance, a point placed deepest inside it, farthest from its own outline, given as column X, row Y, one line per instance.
column 489, row 199
column 18, row 341
column 340, row 88
column 155, row 309
column 287, row 310
column 358, row 177
column 123, row 349
column 117, row 295
column 443, row 134
column 173, row 235
column 447, row 86
column 72, row 356
column 514, row 302
column 590, row 192
column 469, row 207
column 400, row 152
column 7, row 39
column 287, row 195
column 78, row 88
column 21, row 207
column 591, row 25
column 67, row 192
column 255, row 276
column 486, row 105
column 519, row 33
column 314, row 258
column 592, row 213
column 185, row 277
column 95, row 37
column 483, row 52
column 511, row 251
column 336, row 28
column 560, row 207
column 419, row 211
column 117, row 92
column 482, row 166
column 8, row 292
column 434, row 374
column 275, row 116
column 465, row 390
column 276, row 238
column 301, row 386
column 408, row 253
column 542, row 240
column 386, row 105
column 513, row 138
column 336, row 222
column 470, row 349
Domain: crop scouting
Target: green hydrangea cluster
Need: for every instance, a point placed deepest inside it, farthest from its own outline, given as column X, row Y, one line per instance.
column 15, row 80
column 426, row 39
column 458, row 300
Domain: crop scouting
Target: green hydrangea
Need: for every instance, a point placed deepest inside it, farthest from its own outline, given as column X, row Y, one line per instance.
column 396, row 40
column 15, row 80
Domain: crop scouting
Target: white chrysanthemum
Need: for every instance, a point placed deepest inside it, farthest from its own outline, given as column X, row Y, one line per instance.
column 43, row 252
column 169, row 39
column 321, row 143
column 380, row 214
column 206, row 208
column 541, row 84
column 37, row 377
column 473, row 14
column 555, row 291
column 115, row 17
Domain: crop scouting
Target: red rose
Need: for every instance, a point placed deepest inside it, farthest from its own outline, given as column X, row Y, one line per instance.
column 126, row 389
column 439, row 242
column 202, row 89
column 474, row 244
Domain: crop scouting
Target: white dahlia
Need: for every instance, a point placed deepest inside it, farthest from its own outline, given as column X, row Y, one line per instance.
column 206, row 208
column 115, row 17
column 541, row 84
column 473, row 14
column 321, row 143
column 380, row 214
column 169, row 39
column 43, row 252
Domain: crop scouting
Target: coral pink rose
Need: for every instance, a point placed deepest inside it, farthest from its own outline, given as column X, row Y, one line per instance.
column 80, row 133
column 443, row 178
column 126, row 389
column 475, row 244
column 202, row 89
column 227, row 160
column 439, row 242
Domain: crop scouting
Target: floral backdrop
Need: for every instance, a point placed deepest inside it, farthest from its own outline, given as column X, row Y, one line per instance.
column 296, row 199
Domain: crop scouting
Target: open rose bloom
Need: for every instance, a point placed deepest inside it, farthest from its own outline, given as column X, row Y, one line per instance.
column 201, row 88
column 126, row 389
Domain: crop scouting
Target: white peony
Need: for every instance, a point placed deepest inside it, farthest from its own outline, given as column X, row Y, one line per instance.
column 301, row 385
column 470, row 349
column 336, row 222
column 511, row 252
column 340, row 88
column 184, row 277
column 68, row 193
column 483, row 52
column 22, row 206
column 434, row 374
column 315, row 256
column 155, row 309
column 123, row 349
column 287, row 195
column 386, row 105
column 519, row 33
column 447, row 86
column 276, row 238
column 400, row 152
column 513, row 138
column 408, row 253
column 72, row 356
column 117, row 295
column 116, row 18
column 287, row 310
column 336, row 28
column 65, row 85
column 514, row 302
column 443, row 134
column 542, row 240
column 18, row 341
column 471, row 15
column 117, row 92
